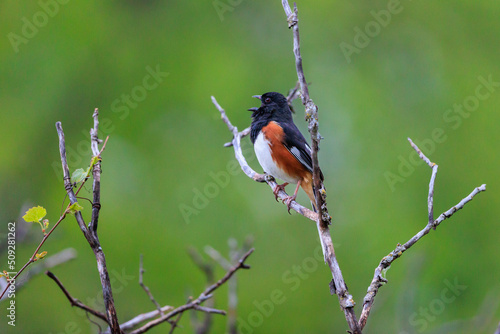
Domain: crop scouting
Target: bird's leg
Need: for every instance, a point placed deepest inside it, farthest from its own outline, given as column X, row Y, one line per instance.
column 278, row 188
column 289, row 199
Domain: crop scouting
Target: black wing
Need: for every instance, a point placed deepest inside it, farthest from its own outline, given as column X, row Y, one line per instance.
column 296, row 143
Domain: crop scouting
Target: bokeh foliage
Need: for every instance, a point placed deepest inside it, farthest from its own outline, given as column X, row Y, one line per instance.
column 163, row 149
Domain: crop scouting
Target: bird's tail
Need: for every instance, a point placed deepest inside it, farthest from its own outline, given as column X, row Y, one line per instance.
column 309, row 189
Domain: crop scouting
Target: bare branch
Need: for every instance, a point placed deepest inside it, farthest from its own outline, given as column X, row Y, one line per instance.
column 234, row 253
column 430, row 197
column 69, row 189
column 207, row 268
column 74, row 301
column 345, row 299
column 96, row 173
column 217, row 257
column 209, row 310
column 175, row 323
column 91, row 233
column 378, row 279
column 141, row 318
column 293, row 93
column 201, row 298
column 148, row 292
column 420, row 154
column 253, row 174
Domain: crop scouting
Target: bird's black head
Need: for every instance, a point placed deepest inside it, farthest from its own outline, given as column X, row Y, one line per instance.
column 273, row 105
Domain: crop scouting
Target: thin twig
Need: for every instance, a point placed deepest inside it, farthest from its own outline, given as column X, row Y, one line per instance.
column 201, row 298
column 378, row 279
column 430, row 197
column 148, row 292
column 232, row 295
column 48, row 262
column 209, row 310
column 74, row 301
column 253, row 174
column 208, row 269
column 232, row 289
column 216, row 256
column 175, row 322
column 45, row 237
column 242, row 134
column 134, row 322
column 339, row 286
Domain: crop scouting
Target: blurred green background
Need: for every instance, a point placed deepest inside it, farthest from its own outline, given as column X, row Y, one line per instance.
column 408, row 69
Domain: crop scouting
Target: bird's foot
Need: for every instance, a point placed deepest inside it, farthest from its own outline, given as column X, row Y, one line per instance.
column 288, row 201
column 278, row 188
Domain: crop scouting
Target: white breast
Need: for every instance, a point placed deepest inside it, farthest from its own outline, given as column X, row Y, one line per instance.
column 263, row 153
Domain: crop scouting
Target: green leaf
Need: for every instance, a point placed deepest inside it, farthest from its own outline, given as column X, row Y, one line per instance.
column 74, row 208
column 35, row 214
column 79, row 175
column 40, row 256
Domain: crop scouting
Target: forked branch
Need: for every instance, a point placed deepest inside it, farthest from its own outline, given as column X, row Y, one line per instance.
column 378, row 279
column 196, row 303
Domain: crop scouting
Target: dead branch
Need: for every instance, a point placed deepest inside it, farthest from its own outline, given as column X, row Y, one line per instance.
column 132, row 323
column 145, row 288
column 339, row 287
column 91, row 232
column 194, row 304
column 234, row 253
column 74, row 301
column 203, row 327
column 378, row 279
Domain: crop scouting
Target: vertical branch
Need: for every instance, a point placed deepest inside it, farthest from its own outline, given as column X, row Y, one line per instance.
column 91, row 233
column 434, row 167
column 311, row 114
column 232, row 289
column 203, row 327
column 107, row 292
column 67, row 180
column 96, row 173
column 338, row 284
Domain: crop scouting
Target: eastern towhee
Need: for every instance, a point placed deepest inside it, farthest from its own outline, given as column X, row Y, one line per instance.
column 281, row 149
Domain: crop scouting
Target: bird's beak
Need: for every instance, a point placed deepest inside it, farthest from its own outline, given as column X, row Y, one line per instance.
column 255, row 108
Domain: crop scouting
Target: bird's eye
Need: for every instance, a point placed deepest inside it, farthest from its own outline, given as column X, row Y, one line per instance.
column 267, row 100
